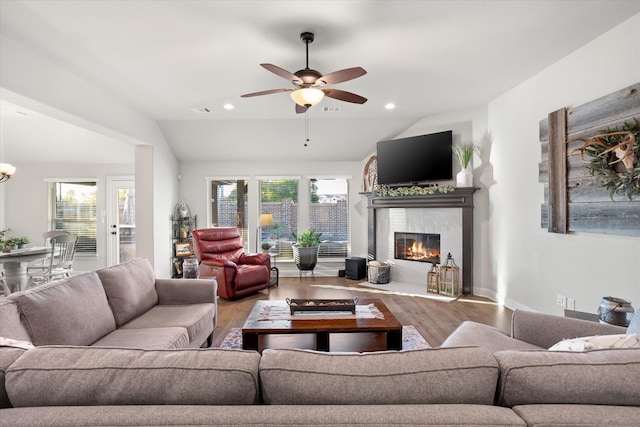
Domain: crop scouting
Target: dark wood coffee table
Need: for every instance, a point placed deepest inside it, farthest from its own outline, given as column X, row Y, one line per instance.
column 321, row 327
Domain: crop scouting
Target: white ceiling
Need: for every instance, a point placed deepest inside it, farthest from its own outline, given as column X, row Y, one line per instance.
column 165, row 57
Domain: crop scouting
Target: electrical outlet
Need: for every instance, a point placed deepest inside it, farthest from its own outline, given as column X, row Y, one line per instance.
column 571, row 304
column 561, row 300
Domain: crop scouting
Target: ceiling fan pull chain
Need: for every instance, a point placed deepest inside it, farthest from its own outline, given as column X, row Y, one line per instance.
column 306, row 128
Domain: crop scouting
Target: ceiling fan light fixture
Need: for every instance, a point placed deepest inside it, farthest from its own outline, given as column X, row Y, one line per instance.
column 307, row 96
column 6, row 171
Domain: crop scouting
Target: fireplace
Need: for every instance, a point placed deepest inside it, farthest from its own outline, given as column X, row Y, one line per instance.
column 421, row 247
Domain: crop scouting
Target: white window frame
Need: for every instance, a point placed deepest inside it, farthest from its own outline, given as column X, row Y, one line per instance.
column 51, row 206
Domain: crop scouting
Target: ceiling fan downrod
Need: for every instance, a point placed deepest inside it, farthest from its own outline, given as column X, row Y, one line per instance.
column 307, row 38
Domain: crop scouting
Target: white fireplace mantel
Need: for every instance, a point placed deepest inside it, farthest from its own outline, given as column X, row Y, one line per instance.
column 461, row 198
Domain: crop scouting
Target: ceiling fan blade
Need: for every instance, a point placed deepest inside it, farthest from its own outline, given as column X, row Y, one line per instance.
column 340, row 76
column 301, row 109
column 282, row 73
column 264, row 92
column 343, row 95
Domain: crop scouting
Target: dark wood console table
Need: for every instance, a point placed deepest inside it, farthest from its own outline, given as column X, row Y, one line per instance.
column 458, row 198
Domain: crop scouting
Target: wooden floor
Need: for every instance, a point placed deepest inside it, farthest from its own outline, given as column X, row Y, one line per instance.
column 435, row 320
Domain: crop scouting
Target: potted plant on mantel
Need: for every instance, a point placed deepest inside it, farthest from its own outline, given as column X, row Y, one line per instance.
column 306, row 249
column 464, row 154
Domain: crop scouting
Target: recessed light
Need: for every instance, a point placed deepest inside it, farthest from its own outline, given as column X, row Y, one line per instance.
column 390, row 106
column 228, row 106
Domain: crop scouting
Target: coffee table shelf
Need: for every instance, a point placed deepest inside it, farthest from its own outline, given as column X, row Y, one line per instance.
column 255, row 327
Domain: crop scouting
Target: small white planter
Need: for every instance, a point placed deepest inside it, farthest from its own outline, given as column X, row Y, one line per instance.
column 464, row 178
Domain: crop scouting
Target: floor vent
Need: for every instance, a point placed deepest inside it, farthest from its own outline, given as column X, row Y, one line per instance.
column 201, row 110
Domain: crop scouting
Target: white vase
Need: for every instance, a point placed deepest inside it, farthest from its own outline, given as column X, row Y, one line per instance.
column 464, row 178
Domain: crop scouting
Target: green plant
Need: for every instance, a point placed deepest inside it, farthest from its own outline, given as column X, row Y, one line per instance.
column 11, row 241
column 21, row 240
column 386, row 191
column 307, row 239
column 464, row 153
column 603, row 160
column 184, row 228
column 266, row 246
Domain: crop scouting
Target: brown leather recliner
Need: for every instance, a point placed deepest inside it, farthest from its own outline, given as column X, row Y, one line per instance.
column 221, row 255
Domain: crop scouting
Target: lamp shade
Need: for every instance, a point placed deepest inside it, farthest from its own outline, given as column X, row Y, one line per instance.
column 266, row 220
column 307, row 96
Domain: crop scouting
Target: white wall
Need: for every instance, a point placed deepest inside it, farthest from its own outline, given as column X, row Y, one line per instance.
column 529, row 266
column 67, row 95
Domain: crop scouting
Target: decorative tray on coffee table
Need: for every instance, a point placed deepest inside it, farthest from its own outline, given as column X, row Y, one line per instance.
column 302, row 305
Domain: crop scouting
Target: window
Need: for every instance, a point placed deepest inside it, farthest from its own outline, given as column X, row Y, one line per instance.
column 329, row 200
column 279, row 197
column 229, row 205
column 72, row 207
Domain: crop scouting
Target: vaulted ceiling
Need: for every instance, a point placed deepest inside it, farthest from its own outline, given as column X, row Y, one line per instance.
column 165, row 58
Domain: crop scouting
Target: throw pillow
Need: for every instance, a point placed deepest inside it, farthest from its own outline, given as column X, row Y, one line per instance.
column 8, row 342
column 634, row 325
column 598, row 342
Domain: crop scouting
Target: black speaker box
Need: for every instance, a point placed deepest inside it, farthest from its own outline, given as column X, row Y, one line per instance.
column 355, row 268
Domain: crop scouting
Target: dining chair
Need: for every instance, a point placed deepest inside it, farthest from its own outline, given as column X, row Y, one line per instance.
column 59, row 265
column 3, row 284
column 47, row 235
column 42, row 264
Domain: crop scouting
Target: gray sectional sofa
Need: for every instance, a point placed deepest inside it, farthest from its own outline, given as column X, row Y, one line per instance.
column 480, row 377
column 461, row 386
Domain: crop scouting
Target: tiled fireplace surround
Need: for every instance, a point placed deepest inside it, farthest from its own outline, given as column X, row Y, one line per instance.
column 447, row 214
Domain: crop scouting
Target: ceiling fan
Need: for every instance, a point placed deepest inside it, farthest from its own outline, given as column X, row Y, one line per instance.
column 310, row 85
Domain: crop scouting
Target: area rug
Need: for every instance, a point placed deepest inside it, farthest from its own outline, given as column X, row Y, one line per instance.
column 411, row 339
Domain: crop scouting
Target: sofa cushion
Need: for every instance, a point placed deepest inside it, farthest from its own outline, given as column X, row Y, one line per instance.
column 87, row 376
column 8, row 355
column 10, row 326
column 195, row 318
column 130, row 288
column 448, row 375
column 148, row 339
column 634, row 325
column 603, row 377
column 579, row 415
column 72, row 311
column 264, row 416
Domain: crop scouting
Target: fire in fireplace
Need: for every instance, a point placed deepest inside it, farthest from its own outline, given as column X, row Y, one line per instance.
column 421, row 247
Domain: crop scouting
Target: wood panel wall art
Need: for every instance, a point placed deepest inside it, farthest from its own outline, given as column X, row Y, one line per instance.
column 574, row 198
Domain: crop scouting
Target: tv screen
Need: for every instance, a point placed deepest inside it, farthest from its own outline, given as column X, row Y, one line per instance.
column 415, row 159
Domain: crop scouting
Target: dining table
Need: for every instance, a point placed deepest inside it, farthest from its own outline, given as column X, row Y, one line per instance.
column 15, row 262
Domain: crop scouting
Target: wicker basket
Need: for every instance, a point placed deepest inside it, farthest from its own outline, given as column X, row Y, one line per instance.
column 379, row 274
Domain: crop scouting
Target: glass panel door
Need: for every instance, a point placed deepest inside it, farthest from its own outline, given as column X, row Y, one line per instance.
column 121, row 221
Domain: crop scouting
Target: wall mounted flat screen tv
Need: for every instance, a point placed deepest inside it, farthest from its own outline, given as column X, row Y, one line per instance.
column 417, row 159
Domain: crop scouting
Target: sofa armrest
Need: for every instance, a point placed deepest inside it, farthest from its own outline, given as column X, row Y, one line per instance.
column 255, row 259
column 219, row 262
column 545, row 330
column 186, row 291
